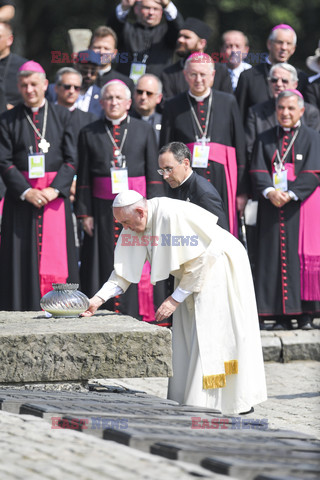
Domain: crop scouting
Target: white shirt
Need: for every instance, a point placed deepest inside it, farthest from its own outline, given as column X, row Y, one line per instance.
column 83, row 101
column 236, row 72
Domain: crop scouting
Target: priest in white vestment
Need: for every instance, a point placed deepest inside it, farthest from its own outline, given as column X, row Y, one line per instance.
column 217, row 353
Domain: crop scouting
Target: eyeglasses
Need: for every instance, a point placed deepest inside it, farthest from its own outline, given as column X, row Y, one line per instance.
column 141, row 92
column 285, row 81
column 68, row 87
column 167, row 170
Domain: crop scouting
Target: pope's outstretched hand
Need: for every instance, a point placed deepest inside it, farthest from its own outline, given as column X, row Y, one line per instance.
column 95, row 303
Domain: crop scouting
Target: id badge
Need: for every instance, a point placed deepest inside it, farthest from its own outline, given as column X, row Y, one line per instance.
column 200, row 156
column 137, row 69
column 280, row 181
column 36, row 164
column 119, row 180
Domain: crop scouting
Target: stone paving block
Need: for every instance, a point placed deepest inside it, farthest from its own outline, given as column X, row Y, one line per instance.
column 271, row 346
column 195, row 453
column 300, row 345
column 248, row 469
column 38, row 349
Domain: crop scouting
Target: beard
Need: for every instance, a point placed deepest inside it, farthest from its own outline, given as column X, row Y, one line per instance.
column 182, row 53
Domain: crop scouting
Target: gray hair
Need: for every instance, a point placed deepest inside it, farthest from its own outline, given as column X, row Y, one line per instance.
column 27, row 73
column 179, row 150
column 63, row 71
column 285, row 66
column 273, row 35
column 154, row 77
column 113, row 82
column 129, row 209
column 290, row 93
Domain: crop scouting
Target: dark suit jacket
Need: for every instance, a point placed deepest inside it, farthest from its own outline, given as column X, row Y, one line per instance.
column 157, row 42
column 262, row 117
column 253, row 87
column 114, row 75
column 174, row 82
column 94, row 106
column 201, row 192
column 312, row 93
column 8, row 82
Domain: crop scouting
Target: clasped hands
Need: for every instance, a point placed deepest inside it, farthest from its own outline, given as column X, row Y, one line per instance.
column 278, row 198
column 40, row 198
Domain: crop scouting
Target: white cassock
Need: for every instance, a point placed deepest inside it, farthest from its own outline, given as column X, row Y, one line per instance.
column 217, row 353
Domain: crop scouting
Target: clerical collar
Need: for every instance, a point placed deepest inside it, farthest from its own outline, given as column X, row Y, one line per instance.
column 286, row 129
column 104, row 70
column 202, row 97
column 117, row 121
column 36, row 109
column 187, row 178
column 72, row 109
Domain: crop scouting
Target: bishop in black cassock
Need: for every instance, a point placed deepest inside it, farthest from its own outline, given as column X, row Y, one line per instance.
column 226, row 168
column 37, row 240
column 287, row 264
column 253, row 86
column 137, row 142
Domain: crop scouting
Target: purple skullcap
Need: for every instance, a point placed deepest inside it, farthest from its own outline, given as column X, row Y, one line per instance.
column 282, row 25
column 295, row 91
column 31, row 66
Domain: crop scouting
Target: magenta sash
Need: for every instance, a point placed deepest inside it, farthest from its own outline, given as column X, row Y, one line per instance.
column 53, row 266
column 226, row 156
column 309, row 244
column 102, row 188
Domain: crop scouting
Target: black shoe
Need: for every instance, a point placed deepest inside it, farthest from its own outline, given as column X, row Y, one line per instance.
column 280, row 326
column 249, row 411
column 306, row 326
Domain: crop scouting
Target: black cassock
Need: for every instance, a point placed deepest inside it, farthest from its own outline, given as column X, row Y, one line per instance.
column 225, row 128
column 95, row 199
column 277, row 260
column 174, row 82
column 201, row 192
column 253, row 87
column 21, row 243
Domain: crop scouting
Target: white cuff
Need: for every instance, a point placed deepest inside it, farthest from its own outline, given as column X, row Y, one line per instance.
column 170, row 12
column 179, row 295
column 109, row 290
column 266, row 191
column 23, row 196
column 293, row 196
column 121, row 14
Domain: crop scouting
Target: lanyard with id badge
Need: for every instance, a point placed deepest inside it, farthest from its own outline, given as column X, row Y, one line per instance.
column 201, row 149
column 118, row 171
column 138, row 68
column 280, row 175
column 36, row 161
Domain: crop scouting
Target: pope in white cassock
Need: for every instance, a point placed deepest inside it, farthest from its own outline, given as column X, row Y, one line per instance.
column 217, row 354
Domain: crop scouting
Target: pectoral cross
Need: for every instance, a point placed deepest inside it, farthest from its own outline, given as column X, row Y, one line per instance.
column 44, row 145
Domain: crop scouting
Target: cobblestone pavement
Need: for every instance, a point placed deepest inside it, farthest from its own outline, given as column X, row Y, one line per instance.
column 32, row 450
column 293, row 395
